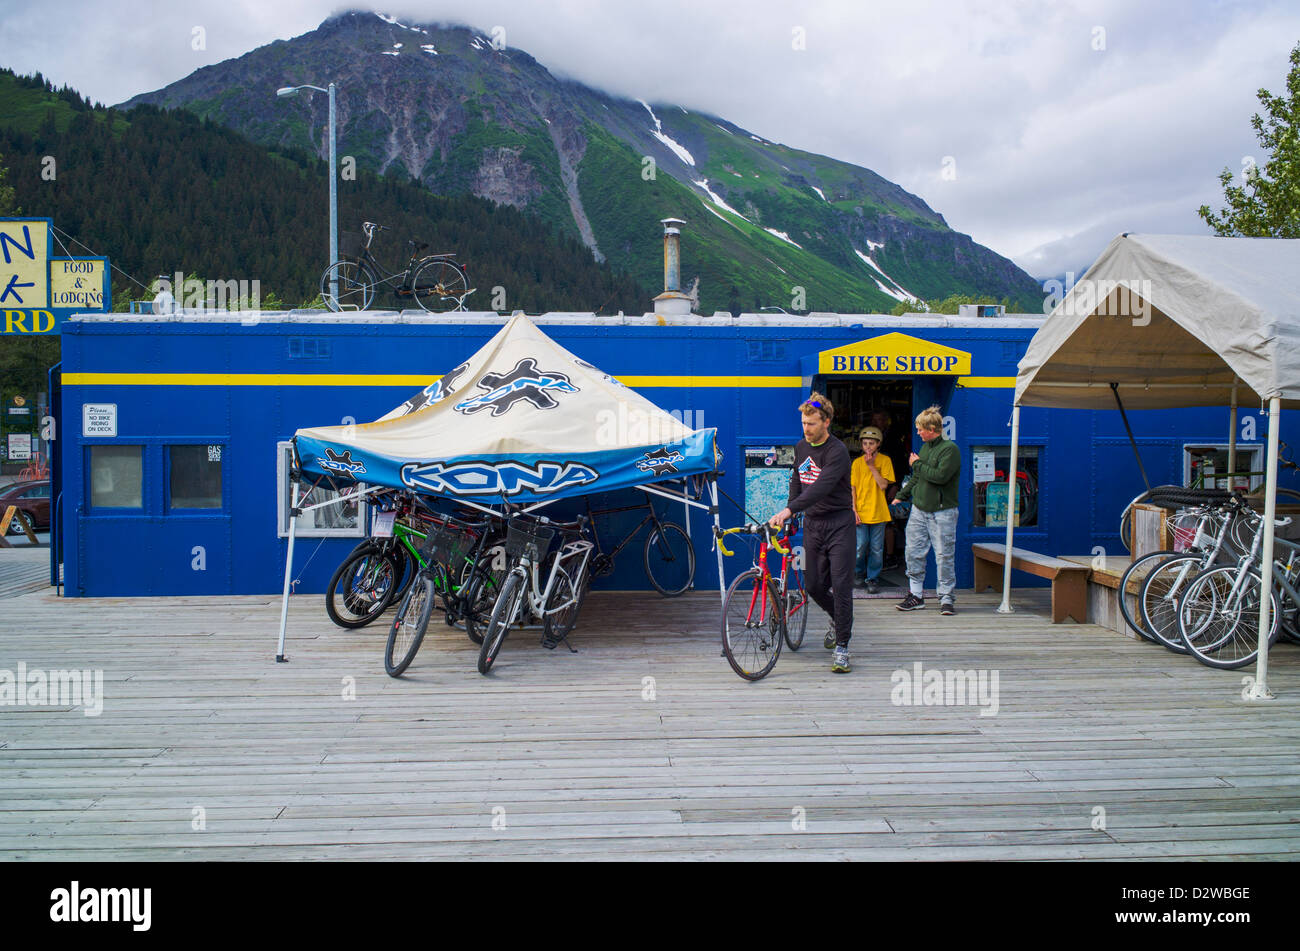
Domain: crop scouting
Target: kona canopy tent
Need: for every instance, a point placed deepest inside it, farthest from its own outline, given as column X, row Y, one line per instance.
column 1170, row 321
column 523, row 421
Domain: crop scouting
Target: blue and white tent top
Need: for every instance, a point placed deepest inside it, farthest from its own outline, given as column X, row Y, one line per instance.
column 523, row 420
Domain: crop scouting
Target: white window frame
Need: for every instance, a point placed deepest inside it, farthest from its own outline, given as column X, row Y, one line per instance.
column 1254, row 449
column 282, row 497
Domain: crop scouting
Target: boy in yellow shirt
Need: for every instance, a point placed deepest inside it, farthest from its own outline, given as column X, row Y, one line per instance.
column 870, row 475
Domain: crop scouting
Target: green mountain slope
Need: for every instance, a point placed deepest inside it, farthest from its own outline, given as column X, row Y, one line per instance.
column 161, row 191
column 440, row 103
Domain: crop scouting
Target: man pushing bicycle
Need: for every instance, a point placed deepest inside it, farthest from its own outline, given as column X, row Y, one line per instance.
column 820, row 489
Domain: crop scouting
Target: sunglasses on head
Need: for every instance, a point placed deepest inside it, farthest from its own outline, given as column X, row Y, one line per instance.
column 815, row 403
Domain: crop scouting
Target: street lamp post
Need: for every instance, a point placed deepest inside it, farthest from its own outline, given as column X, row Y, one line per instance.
column 283, row 93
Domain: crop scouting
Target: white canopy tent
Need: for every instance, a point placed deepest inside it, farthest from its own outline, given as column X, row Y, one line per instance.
column 522, row 422
column 1173, row 321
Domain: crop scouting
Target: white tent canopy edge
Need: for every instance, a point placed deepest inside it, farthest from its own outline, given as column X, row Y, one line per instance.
column 1175, row 320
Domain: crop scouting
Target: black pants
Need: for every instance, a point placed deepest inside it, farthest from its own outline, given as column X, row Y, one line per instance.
column 830, row 549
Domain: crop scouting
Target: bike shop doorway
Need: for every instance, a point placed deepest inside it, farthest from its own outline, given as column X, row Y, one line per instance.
column 869, row 384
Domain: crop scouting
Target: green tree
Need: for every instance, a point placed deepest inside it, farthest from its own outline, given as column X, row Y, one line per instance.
column 1267, row 204
column 8, row 201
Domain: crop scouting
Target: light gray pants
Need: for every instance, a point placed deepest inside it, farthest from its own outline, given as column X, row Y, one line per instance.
column 937, row 530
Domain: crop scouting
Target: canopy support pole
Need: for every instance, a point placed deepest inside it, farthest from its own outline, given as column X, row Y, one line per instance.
column 288, row 573
column 717, row 527
column 1013, row 509
column 1259, row 689
column 1232, row 441
column 1114, row 388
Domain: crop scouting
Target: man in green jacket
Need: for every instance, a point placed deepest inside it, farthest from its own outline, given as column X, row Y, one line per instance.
column 932, row 488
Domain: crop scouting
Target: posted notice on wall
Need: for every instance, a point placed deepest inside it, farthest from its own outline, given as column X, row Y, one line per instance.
column 98, row 419
column 20, row 447
column 983, row 467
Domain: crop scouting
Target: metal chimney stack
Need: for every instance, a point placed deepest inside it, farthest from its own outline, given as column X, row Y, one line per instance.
column 672, row 300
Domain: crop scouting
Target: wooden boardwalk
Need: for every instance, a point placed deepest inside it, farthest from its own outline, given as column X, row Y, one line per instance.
column 1101, row 747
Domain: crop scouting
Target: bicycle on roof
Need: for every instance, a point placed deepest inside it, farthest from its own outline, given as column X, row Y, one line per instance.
column 434, row 281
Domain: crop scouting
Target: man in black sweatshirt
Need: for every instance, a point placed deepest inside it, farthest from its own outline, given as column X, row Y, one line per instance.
column 821, row 490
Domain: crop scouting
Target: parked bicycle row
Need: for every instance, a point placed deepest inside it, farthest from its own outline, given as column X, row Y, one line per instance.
column 489, row 572
column 1203, row 597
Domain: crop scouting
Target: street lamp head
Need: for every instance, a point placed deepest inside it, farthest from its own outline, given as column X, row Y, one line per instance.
column 284, row 91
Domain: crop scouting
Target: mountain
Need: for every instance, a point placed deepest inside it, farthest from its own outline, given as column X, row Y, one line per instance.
column 159, row 192
column 443, row 105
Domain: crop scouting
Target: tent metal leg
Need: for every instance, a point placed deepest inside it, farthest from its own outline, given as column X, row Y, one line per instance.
column 1259, row 689
column 288, row 573
column 1013, row 507
column 717, row 524
column 1232, row 440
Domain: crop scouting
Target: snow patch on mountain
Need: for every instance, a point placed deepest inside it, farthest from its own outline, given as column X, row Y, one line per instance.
column 819, row 193
column 783, row 236
column 906, row 295
column 704, row 183
column 658, row 132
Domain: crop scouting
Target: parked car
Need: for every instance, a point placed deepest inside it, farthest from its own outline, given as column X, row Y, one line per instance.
column 33, row 498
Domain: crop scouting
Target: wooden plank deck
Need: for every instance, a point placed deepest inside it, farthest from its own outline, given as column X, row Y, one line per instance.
column 572, row 760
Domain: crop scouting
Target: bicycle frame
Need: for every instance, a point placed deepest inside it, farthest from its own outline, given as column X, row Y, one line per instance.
column 651, row 516
column 530, row 570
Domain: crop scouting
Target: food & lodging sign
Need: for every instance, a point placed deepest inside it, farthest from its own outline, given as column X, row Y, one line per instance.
column 37, row 290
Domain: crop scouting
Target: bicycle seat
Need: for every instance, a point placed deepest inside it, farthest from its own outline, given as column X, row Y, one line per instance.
column 417, row 246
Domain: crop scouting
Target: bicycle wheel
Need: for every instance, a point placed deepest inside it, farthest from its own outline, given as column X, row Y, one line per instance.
column 1135, row 574
column 504, row 612
column 439, row 286
column 409, row 625
column 481, row 594
column 356, row 287
column 1220, row 628
column 752, row 626
column 557, row 626
column 796, row 611
column 669, row 559
column 362, row 587
column 1159, row 594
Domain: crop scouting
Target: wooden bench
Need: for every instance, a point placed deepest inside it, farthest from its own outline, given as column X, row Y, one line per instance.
column 1069, row 581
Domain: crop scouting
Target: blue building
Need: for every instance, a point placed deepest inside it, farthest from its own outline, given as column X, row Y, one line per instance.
column 174, row 429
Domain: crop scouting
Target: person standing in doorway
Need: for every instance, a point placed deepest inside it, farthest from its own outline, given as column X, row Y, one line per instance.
column 820, row 489
column 932, row 488
column 871, row 475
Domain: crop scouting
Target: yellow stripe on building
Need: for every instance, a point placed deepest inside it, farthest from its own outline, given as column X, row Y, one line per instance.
column 358, row 379
column 988, row 382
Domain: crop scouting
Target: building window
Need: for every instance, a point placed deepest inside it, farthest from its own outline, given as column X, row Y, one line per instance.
column 989, row 477
column 117, row 477
column 1205, row 466
column 195, row 477
column 344, row 519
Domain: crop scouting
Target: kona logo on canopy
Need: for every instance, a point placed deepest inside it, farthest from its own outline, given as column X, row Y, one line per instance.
column 501, row 478
column 340, row 463
column 895, row 354
column 524, row 382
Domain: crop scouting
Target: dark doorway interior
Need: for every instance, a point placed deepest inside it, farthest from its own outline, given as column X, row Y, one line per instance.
column 857, row 404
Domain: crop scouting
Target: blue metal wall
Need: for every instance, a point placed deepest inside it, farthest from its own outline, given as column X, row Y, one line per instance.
column 1086, row 468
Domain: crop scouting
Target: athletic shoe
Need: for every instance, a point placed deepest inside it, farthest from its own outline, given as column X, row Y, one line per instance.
column 829, row 641
column 911, row 603
column 946, row 608
column 840, row 660
column 873, row 586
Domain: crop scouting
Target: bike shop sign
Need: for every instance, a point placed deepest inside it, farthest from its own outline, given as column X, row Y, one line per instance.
column 39, row 291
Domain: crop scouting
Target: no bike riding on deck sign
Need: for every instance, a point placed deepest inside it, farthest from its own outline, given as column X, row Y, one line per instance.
column 39, row 291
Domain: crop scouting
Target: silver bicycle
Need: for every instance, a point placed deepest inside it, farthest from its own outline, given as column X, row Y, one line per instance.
column 524, row 596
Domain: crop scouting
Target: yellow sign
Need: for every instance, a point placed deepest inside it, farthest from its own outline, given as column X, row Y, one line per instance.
column 77, row 284
column 24, row 264
column 894, row 354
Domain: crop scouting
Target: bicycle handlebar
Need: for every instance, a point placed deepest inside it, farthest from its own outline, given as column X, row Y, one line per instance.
column 773, row 534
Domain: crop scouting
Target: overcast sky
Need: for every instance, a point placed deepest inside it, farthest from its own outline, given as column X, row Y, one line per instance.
column 1060, row 123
